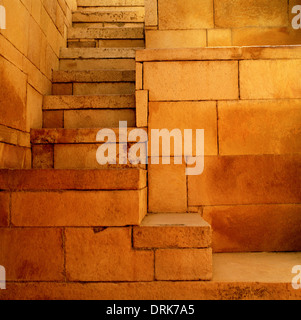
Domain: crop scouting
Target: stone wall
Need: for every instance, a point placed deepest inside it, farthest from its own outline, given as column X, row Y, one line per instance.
column 29, row 49
column 248, row 100
column 210, row 23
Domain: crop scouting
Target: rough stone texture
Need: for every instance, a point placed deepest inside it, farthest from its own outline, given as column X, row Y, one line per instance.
column 277, row 79
column 175, row 38
column 155, row 290
column 265, row 36
column 191, row 14
column 168, row 230
column 151, row 13
column 89, row 102
column 93, row 255
column 205, row 80
column 42, row 156
column 243, row 13
column 142, row 108
column 246, row 180
column 183, row 264
column 76, row 208
column 222, row 53
column 4, row 209
column 219, row 37
column 14, row 157
column 53, row 119
column 70, row 136
column 32, row 254
column 244, row 129
column 22, row 180
column 260, row 267
column 167, row 188
column 184, row 115
column 255, row 227
column 98, row 118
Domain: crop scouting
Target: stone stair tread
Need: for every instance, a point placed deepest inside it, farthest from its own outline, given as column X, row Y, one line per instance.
column 255, row 267
column 172, row 230
column 68, row 136
column 94, row 76
column 106, row 33
column 97, row 53
column 70, row 179
column 174, row 219
column 108, row 16
column 109, row 3
column 108, row 101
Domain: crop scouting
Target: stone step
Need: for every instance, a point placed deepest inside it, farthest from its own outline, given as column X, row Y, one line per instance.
column 97, row 53
column 135, row 15
column 88, row 118
column 172, row 230
column 93, row 88
column 75, row 149
column 55, row 198
column 80, row 59
column 92, row 76
column 94, row 43
column 106, row 33
column 110, row 3
column 236, row 276
column 108, row 25
column 96, row 64
column 182, row 243
column 89, row 102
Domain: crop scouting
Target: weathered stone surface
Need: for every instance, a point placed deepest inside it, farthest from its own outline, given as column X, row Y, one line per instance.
column 185, row 115
column 14, row 157
column 106, row 33
column 70, row 136
column 4, row 209
column 130, row 179
column 89, row 102
column 205, row 80
column 183, row 264
column 265, row 36
column 76, row 208
column 142, row 108
column 191, row 14
column 277, row 79
column 219, row 37
column 98, row 118
column 243, row 13
column 244, row 129
column 154, row 290
column 106, row 255
column 208, row 54
column 167, row 188
column 175, row 38
column 53, row 119
column 261, row 267
column 42, row 156
column 255, row 228
column 103, row 88
column 167, row 230
column 94, row 76
column 32, row 254
column 228, row 180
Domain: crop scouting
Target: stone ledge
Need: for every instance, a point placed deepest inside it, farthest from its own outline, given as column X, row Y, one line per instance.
column 218, row 53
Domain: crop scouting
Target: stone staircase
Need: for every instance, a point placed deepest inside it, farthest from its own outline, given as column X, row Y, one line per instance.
column 94, row 88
